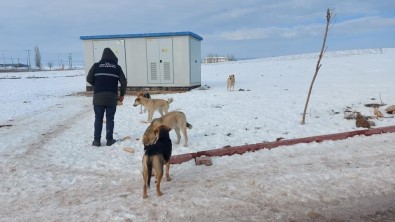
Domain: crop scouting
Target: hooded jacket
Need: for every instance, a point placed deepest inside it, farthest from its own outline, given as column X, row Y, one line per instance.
column 104, row 77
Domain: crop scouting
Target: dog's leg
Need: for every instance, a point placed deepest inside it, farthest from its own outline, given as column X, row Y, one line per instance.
column 141, row 109
column 184, row 133
column 145, row 195
column 168, row 171
column 158, row 179
column 177, row 130
column 160, row 111
column 150, row 115
column 145, row 179
column 166, row 109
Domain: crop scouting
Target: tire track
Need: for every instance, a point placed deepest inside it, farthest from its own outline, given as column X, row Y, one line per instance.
column 33, row 132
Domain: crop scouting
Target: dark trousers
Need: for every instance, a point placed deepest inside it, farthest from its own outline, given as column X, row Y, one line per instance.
column 99, row 115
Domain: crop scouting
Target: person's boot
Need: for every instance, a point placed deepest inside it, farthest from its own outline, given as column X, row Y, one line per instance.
column 96, row 143
column 110, row 142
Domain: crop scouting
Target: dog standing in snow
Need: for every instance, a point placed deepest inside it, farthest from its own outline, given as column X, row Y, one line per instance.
column 231, row 82
column 155, row 156
column 153, row 104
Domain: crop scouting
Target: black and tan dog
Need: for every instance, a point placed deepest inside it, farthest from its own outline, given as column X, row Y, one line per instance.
column 155, row 156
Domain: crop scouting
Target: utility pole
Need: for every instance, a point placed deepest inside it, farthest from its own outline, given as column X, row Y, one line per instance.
column 70, row 62
column 28, row 61
column 58, row 61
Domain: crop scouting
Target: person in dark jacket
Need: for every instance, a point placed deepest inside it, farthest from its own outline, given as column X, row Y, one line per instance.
column 104, row 77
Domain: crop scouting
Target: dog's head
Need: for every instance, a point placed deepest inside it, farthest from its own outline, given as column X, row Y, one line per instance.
column 148, row 139
column 162, row 131
column 137, row 101
column 231, row 76
column 149, row 134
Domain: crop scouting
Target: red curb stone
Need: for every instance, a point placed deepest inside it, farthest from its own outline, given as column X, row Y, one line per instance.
column 228, row 150
column 177, row 159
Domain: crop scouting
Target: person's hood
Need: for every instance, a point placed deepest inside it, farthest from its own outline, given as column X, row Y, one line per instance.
column 108, row 54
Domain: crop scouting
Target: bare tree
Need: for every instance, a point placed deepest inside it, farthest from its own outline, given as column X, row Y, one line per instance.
column 329, row 19
column 50, row 64
column 37, row 57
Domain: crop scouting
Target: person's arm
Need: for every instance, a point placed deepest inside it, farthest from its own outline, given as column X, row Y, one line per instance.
column 90, row 76
column 123, row 81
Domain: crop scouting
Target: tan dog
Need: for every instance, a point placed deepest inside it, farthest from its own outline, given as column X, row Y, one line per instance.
column 231, row 82
column 155, row 156
column 174, row 120
column 153, row 104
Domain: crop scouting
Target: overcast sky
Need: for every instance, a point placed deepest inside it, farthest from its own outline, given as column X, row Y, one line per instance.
column 242, row 28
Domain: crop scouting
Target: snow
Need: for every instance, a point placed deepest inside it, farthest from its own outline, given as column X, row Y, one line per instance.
column 50, row 172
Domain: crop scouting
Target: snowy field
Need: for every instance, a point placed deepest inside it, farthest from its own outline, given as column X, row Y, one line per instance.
column 50, row 172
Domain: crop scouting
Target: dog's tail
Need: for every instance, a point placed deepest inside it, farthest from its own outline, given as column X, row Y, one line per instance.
column 189, row 126
column 170, row 100
column 149, row 169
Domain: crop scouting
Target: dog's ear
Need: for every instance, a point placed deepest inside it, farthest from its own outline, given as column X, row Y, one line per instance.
column 156, row 131
column 145, row 140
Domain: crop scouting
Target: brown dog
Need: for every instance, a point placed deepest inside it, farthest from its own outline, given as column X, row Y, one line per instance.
column 231, row 82
column 153, row 104
column 174, row 120
column 155, row 156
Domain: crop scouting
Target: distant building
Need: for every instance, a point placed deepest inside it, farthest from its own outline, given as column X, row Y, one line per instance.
column 215, row 59
column 153, row 61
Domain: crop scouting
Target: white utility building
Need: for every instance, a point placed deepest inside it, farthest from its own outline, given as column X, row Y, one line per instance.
column 151, row 61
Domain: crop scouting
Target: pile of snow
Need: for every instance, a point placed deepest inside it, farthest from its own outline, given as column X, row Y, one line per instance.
column 50, row 171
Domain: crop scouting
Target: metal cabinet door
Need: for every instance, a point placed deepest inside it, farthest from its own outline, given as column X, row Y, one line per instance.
column 160, row 60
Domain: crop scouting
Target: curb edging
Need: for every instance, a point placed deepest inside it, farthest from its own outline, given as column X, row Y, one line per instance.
column 229, row 150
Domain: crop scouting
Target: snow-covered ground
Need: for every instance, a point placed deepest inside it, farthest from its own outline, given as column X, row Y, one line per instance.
column 50, row 172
